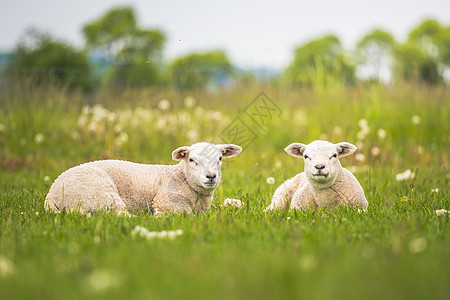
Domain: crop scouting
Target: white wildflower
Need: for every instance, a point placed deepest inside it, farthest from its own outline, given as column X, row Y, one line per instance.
column 308, row 262
column 441, row 212
column 85, row 110
column 192, row 135
column 118, row 128
column 6, row 267
column 189, row 101
column 416, row 119
column 360, row 157
column 407, row 175
column 417, row 245
column 375, row 151
column 353, row 169
column 232, row 202
column 36, row 213
column 122, row 139
column 359, row 144
column 381, row 133
column 143, row 232
column 365, row 129
column 111, row 117
column 337, row 130
column 161, row 124
column 46, row 178
column 419, row 149
column 39, row 138
column 99, row 113
column 300, row 117
column 83, row 121
column 270, row 180
column 323, row 137
column 93, row 127
column 362, row 210
column 363, row 123
column 164, row 105
column 216, row 116
column 103, row 280
column 436, row 190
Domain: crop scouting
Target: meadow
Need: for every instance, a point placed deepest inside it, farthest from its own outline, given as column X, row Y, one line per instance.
column 398, row 249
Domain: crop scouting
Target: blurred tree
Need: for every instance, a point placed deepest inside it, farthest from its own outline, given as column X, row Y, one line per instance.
column 425, row 55
column 374, row 52
column 320, row 62
column 136, row 52
column 198, row 70
column 44, row 59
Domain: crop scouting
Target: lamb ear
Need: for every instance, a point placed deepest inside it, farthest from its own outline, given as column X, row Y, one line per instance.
column 229, row 150
column 180, row 153
column 344, row 149
column 296, row 149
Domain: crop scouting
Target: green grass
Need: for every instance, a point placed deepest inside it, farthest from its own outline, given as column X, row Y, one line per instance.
column 398, row 249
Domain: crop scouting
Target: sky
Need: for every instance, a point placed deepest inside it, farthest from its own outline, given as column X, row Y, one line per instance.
column 254, row 34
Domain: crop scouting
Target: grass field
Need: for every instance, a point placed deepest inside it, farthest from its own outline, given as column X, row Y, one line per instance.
column 398, row 249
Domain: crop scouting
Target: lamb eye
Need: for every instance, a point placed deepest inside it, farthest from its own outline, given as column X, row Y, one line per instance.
column 220, row 158
column 334, row 155
column 192, row 161
column 305, row 156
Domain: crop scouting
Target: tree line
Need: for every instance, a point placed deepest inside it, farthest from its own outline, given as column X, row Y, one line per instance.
column 132, row 56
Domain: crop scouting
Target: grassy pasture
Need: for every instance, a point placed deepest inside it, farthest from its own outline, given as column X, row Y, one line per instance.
column 398, row 249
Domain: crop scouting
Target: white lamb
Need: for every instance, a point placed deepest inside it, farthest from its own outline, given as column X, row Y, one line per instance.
column 324, row 183
column 123, row 186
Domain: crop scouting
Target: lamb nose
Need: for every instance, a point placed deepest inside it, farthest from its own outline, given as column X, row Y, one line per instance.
column 211, row 176
column 319, row 167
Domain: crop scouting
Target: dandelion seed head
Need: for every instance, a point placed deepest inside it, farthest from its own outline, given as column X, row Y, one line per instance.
column 417, row 245
column 381, row 133
column 189, row 101
column 360, row 157
column 103, row 280
column 270, row 180
column 232, row 202
column 337, row 130
column 416, row 120
column 39, row 138
column 164, row 105
column 441, row 212
column 406, row 175
column 6, row 267
column 375, row 151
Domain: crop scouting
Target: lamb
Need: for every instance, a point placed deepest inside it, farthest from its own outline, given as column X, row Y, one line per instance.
column 123, row 187
column 324, row 183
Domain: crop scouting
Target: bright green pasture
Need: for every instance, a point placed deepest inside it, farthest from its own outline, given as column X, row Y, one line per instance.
column 398, row 249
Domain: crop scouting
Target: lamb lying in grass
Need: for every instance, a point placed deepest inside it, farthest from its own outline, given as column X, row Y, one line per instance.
column 324, row 183
column 123, row 186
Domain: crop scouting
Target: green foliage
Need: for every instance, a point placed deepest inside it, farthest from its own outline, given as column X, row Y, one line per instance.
column 45, row 60
column 136, row 52
column 375, row 50
column 423, row 57
column 197, row 70
column 319, row 62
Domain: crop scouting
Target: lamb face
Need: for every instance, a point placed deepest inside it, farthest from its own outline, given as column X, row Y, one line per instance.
column 322, row 165
column 203, row 164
